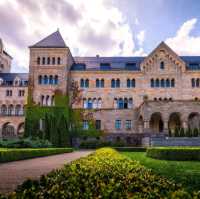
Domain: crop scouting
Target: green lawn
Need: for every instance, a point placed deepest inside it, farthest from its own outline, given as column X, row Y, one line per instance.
column 185, row 172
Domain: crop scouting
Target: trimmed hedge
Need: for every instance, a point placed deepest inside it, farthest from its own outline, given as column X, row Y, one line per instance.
column 174, row 153
column 104, row 174
column 130, row 149
column 7, row 155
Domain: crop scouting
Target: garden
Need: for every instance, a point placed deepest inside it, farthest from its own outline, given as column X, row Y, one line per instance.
column 106, row 174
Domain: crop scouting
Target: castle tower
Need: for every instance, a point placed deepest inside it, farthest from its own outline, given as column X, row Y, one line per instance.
column 5, row 59
column 50, row 61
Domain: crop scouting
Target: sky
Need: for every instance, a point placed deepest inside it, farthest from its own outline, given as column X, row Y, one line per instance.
column 103, row 27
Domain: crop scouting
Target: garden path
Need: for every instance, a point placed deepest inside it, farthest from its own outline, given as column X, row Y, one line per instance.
column 14, row 173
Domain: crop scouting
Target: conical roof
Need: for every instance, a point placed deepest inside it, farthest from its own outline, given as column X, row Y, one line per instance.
column 54, row 40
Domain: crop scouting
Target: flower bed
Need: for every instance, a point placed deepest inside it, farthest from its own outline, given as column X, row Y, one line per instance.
column 7, row 155
column 174, row 153
column 104, row 174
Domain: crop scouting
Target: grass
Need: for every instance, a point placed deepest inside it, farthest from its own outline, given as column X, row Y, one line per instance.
column 185, row 172
column 13, row 154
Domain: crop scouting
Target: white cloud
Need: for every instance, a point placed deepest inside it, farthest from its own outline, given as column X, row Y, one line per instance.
column 95, row 27
column 141, row 37
column 183, row 43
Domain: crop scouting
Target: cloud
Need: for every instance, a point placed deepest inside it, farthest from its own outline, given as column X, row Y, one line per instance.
column 95, row 27
column 183, row 43
column 140, row 37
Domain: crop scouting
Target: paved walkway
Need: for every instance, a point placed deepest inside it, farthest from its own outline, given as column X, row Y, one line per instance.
column 14, row 173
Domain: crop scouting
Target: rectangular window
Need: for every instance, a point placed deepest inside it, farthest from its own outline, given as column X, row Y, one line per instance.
column 8, row 93
column 128, row 124
column 85, row 125
column 117, row 124
column 98, row 124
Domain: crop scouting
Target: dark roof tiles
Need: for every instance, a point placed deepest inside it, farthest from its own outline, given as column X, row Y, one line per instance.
column 54, row 40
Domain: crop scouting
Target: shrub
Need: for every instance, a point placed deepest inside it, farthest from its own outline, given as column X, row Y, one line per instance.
column 195, row 132
column 181, row 132
column 174, row 153
column 176, row 132
column 25, row 143
column 7, row 155
column 130, row 149
column 104, row 174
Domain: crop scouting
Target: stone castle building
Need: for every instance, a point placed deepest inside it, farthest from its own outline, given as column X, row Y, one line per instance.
column 132, row 96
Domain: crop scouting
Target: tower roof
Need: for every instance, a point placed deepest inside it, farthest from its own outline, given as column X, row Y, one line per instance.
column 54, row 40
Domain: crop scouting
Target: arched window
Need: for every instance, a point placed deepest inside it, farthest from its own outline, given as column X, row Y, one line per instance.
column 133, row 83
column 172, row 83
column 193, row 82
column 38, row 60
column 120, row 103
column 167, row 83
column 82, row 83
column 42, row 100
column 102, row 83
column 197, row 82
column 97, row 83
column 84, row 103
column 50, row 79
column 40, row 79
column 89, row 103
column 118, row 83
column 130, row 103
column 162, row 83
column 157, row 83
column 18, row 110
column 53, row 60
column 48, row 60
column 99, row 103
column 115, row 103
column 125, row 103
column 56, row 79
column 3, row 109
column 128, row 83
column 152, row 83
column 10, row 110
column 45, row 79
column 112, row 83
column 43, row 60
column 162, row 65
column 87, row 83
column 95, row 103
column 59, row 60
column 47, row 100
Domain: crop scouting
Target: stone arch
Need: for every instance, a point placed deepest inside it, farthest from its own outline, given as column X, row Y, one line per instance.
column 8, row 130
column 174, row 121
column 194, row 120
column 140, row 124
column 18, row 110
column 4, row 110
column 156, row 123
column 20, row 129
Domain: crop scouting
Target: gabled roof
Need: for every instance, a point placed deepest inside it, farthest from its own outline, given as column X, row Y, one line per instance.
column 165, row 46
column 54, row 40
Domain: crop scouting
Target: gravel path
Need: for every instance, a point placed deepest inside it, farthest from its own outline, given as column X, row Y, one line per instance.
column 14, row 173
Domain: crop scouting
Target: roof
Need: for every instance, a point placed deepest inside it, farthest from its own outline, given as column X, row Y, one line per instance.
column 7, row 54
column 54, row 40
column 12, row 76
column 123, row 63
column 107, row 63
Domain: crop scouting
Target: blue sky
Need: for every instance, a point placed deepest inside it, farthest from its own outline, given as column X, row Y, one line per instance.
column 105, row 27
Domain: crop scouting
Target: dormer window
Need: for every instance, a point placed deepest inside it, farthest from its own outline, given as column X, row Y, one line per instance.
column 162, row 65
column 105, row 66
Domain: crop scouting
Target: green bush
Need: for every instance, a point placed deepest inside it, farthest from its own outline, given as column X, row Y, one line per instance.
column 104, row 174
column 25, row 143
column 7, row 155
column 131, row 149
column 94, row 144
column 195, row 132
column 176, row 132
column 181, row 132
column 174, row 153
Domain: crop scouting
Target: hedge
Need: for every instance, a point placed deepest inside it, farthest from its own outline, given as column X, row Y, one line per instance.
column 174, row 153
column 103, row 174
column 7, row 155
column 130, row 149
